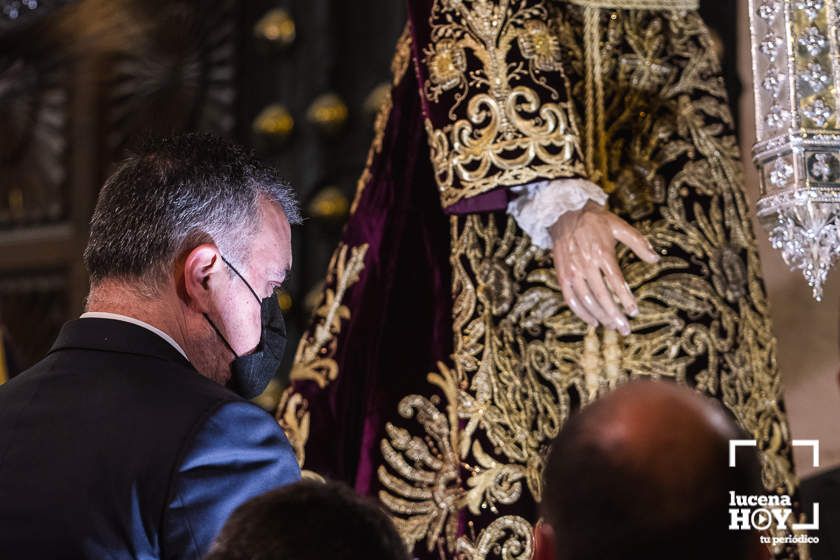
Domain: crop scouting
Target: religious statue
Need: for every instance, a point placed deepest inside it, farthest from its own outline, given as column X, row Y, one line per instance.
column 480, row 295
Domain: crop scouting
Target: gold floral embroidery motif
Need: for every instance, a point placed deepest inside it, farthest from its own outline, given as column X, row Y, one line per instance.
column 314, row 358
column 537, row 43
column 495, row 75
column 511, row 535
column 425, row 491
column 423, row 480
column 523, row 361
column 293, row 417
column 447, row 64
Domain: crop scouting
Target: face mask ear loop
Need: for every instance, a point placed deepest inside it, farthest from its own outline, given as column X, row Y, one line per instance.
column 241, row 278
column 219, row 333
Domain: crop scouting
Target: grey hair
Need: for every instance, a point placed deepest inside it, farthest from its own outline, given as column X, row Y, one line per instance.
column 173, row 194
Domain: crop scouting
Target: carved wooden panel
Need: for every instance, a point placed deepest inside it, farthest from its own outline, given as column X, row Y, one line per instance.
column 33, row 306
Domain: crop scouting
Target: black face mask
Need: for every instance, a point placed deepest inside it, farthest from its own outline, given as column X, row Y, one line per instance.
column 251, row 373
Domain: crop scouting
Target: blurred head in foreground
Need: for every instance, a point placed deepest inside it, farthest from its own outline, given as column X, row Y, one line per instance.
column 644, row 473
column 308, row 521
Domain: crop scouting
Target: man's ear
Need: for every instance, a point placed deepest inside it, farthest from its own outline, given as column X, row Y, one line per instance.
column 201, row 267
column 544, row 542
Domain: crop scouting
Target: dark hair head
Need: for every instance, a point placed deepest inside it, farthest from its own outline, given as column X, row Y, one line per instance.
column 606, row 499
column 308, row 521
column 172, row 194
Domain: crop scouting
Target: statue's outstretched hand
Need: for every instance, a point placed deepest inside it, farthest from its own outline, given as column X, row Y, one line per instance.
column 587, row 268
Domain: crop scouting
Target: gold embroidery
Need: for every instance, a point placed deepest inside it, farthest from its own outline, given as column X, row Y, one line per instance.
column 537, row 43
column 591, row 364
column 293, row 417
column 591, row 48
column 426, row 489
column 402, row 56
column 510, row 535
column 423, row 484
column 737, row 345
column 447, row 64
column 509, row 118
column 315, row 357
column 523, row 361
column 639, row 4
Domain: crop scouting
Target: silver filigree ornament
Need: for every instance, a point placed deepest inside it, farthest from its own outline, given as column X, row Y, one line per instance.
column 772, row 81
column 811, row 8
column 823, row 167
column 777, row 116
column 816, row 77
column 808, row 236
column 813, row 41
column 798, row 149
column 770, row 46
column 781, row 173
column 768, row 10
column 818, row 112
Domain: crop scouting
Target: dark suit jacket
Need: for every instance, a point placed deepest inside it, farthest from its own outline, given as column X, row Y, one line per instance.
column 113, row 446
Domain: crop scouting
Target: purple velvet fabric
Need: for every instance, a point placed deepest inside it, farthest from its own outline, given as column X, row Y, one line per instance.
column 491, row 201
column 401, row 309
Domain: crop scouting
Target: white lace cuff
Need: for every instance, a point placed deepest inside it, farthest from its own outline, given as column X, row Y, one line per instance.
column 540, row 204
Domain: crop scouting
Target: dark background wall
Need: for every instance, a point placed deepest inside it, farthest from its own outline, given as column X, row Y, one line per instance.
column 80, row 81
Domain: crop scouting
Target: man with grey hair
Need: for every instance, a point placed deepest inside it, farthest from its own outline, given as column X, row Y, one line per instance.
column 133, row 437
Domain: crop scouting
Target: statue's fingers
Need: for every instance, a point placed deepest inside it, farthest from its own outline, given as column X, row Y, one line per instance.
column 564, row 275
column 615, row 280
column 616, row 318
column 576, row 307
column 637, row 242
column 588, row 300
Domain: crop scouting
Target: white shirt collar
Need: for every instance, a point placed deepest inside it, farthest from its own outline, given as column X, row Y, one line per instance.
column 138, row 322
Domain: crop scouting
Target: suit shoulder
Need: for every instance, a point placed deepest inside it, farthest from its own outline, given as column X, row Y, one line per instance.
column 166, row 392
column 243, row 423
column 238, row 453
column 240, row 433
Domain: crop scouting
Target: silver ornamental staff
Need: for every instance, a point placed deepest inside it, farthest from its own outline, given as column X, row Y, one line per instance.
column 796, row 70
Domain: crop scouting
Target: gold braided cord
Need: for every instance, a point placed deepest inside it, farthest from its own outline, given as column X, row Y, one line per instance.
column 590, row 36
column 598, row 71
column 639, row 4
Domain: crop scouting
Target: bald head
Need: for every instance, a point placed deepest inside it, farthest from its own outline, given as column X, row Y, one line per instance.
column 663, row 431
column 646, row 469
